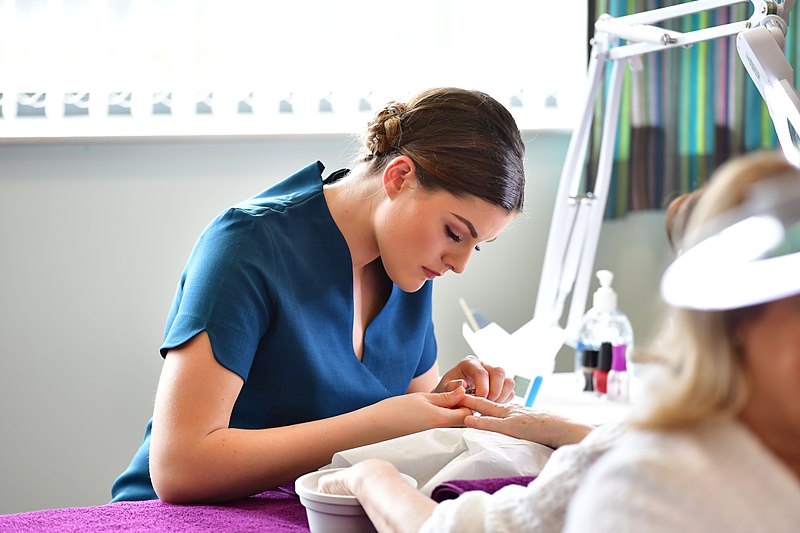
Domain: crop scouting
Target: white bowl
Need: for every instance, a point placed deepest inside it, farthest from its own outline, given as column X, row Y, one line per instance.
column 333, row 513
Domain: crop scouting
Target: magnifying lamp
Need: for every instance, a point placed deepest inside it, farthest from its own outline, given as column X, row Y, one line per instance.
column 747, row 256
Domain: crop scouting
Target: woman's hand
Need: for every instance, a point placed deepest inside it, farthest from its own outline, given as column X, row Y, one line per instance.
column 480, row 379
column 411, row 413
column 523, row 423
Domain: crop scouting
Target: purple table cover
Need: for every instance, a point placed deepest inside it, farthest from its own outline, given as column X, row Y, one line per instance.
column 277, row 510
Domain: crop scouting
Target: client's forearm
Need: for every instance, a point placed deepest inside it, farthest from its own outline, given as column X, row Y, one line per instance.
column 558, row 431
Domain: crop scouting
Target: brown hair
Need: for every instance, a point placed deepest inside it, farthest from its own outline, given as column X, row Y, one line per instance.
column 462, row 141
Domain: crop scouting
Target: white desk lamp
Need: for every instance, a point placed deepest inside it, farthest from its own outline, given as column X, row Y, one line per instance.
column 578, row 217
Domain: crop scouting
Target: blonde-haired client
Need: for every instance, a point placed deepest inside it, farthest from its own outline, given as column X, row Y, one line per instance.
column 717, row 446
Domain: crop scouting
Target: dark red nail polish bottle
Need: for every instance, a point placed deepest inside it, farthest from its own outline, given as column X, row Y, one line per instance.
column 600, row 377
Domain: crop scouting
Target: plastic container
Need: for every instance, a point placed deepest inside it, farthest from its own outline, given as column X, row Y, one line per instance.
column 604, row 322
column 333, row 513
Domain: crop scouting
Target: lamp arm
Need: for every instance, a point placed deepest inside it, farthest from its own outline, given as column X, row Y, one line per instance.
column 572, row 242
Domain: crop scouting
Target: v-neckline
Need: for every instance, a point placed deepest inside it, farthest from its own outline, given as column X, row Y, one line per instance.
column 369, row 326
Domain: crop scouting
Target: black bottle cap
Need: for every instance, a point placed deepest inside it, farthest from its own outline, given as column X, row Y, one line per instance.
column 589, row 358
column 605, row 357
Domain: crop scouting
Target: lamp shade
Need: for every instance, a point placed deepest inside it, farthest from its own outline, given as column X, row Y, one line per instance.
column 746, row 256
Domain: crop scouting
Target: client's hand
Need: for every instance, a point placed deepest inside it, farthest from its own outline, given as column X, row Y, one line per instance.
column 480, row 379
column 389, row 501
column 523, row 423
column 350, row 481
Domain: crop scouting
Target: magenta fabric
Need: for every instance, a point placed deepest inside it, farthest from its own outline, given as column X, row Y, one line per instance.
column 450, row 490
column 278, row 510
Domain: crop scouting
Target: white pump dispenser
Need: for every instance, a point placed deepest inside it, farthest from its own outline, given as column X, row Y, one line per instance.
column 602, row 323
column 605, row 298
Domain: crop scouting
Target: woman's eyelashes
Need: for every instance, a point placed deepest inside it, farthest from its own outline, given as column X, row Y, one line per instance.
column 453, row 236
column 457, row 238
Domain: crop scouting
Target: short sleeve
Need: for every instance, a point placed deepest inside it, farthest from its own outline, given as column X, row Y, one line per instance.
column 225, row 290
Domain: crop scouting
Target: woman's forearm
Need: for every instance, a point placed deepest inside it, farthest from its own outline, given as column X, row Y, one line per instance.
column 228, row 463
column 233, row 463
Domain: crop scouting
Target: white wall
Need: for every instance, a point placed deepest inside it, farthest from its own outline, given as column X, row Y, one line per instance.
column 93, row 238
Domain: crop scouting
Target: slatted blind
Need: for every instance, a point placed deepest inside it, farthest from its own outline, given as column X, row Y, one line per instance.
column 106, row 68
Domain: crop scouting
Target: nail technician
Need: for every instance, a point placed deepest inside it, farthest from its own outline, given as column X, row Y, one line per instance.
column 301, row 325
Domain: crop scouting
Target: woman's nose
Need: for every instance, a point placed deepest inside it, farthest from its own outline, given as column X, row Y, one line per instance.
column 457, row 262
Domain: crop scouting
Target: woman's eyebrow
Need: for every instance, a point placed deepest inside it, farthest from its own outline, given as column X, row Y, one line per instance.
column 469, row 225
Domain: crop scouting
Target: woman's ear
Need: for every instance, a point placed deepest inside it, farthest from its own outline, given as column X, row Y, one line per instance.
column 399, row 175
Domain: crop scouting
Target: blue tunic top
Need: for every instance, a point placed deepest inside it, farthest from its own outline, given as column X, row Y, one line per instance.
column 271, row 281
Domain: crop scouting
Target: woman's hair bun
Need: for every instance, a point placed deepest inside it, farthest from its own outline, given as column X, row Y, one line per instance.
column 385, row 129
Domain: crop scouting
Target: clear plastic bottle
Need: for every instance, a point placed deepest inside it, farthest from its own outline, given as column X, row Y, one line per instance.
column 604, row 322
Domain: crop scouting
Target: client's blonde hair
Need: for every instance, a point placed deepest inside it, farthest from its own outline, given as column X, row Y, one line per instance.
column 705, row 377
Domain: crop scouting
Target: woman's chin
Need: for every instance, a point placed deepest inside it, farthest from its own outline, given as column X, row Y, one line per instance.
column 411, row 285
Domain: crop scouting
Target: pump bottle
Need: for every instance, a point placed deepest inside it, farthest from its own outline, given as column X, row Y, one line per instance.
column 604, row 322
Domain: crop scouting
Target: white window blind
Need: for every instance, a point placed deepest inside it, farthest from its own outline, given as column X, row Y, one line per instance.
column 132, row 68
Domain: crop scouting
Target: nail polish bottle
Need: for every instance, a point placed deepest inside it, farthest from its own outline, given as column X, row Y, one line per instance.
column 600, row 376
column 618, row 379
column 588, row 366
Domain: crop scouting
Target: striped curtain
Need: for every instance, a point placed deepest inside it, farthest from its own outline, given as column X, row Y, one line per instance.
column 687, row 111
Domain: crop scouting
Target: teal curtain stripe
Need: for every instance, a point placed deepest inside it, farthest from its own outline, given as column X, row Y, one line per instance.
column 752, row 115
column 691, row 81
column 713, row 94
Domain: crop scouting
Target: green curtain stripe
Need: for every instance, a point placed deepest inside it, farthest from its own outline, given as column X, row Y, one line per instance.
column 685, row 101
column 702, row 115
column 768, row 140
column 624, row 129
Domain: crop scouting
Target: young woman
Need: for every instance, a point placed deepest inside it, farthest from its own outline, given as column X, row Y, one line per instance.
column 302, row 323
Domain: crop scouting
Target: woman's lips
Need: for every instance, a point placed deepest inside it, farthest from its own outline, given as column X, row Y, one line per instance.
column 430, row 274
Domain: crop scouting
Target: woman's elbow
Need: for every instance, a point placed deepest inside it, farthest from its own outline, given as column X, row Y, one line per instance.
column 175, row 480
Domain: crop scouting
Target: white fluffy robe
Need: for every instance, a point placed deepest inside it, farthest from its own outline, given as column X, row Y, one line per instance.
column 539, row 507
column 719, row 477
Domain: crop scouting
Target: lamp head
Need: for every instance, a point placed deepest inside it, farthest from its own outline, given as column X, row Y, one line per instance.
column 746, row 256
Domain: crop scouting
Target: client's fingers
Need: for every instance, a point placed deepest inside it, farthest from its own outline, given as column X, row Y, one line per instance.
column 335, row 483
column 488, row 423
column 483, row 406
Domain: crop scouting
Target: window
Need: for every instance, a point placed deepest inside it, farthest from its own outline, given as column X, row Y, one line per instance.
column 107, row 68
